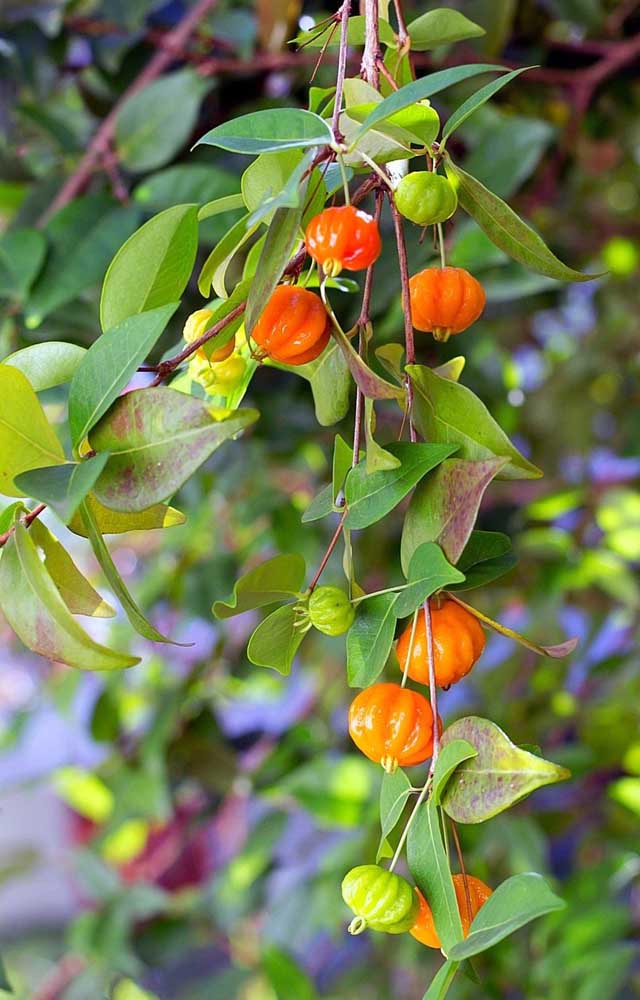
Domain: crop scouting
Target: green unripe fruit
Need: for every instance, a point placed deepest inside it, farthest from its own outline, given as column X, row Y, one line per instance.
column 381, row 900
column 229, row 374
column 330, row 610
column 426, row 198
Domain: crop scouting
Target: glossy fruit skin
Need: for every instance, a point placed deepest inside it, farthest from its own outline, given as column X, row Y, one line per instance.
column 445, row 300
column 196, row 324
column 381, row 900
column 458, row 642
column 426, row 198
column 343, row 237
column 392, row 725
column 330, row 610
column 219, row 354
column 424, row 928
column 294, row 326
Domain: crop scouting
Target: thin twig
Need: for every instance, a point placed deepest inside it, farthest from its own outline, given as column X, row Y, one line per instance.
column 26, row 520
column 101, row 142
column 410, row 349
column 433, row 690
column 371, row 53
column 166, row 368
column 331, row 546
column 345, row 11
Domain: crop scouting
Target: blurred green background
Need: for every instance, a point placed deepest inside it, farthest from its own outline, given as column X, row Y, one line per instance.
column 186, row 824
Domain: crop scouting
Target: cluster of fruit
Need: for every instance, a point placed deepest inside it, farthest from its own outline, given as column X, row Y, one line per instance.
column 294, row 327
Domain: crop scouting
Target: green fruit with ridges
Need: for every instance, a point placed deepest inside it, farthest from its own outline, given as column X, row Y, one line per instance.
column 426, row 198
column 381, row 900
column 330, row 610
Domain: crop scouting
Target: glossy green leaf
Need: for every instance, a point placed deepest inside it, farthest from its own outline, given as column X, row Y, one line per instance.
column 223, row 309
column 63, row 487
column 515, row 903
column 486, row 558
column 149, row 132
column 445, row 506
column 47, row 365
column 449, row 412
column 451, row 756
column 476, row 100
column 441, row 27
column 278, row 246
column 276, row 640
column 115, row 522
column 370, row 497
column 369, row 639
column 507, row 230
column 268, row 130
column 442, row 980
column 378, row 459
column 80, row 261
column 37, row 613
column 501, row 774
column 451, row 369
column 278, row 180
column 214, row 269
column 157, row 438
column 429, row 865
column 109, row 365
column 227, row 203
column 276, row 579
column 330, row 383
column 22, row 252
column 75, row 590
column 371, row 385
column 418, row 90
column 152, row 268
column 117, row 584
column 428, row 572
column 395, row 790
column 27, row 440
column 187, row 183
column 321, row 506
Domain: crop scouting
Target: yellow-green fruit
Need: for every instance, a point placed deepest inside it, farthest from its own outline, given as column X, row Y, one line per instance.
column 381, row 900
column 425, row 198
column 330, row 610
column 229, row 374
column 196, row 324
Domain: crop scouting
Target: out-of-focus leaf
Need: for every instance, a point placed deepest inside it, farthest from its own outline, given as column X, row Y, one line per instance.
column 441, row 27
column 153, row 267
column 287, row 979
column 274, row 580
column 500, row 775
column 157, row 438
column 22, row 252
column 27, row 440
column 38, row 615
column 47, row 365
column 149, row 132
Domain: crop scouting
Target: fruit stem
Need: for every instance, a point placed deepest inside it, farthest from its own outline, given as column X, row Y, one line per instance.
column 433, row 690
column 357, row 925
column 405, row 672
column 345, row 11
column 377, row 593
column 345, row 181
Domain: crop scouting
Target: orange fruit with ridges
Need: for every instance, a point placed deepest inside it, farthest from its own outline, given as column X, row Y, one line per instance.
column 293, row 328
column 445, row 300
column 392, row 725
column 458, row 642
column 343, row 237
column 424, row 929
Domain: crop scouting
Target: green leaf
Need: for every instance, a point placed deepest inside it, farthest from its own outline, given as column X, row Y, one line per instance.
column 368, row 382
column 156, row 122
column 506, row 229
column 47, row 365
column 441, row 27
column 222, row 310
column 277, row 180
column 38, row 615
column 27, row 440
column 476, row 100
column 117, row 584
column 342, row 463
column 287, row 979
column 451, row 369
column 63, row 487
column 108, row 366
column 115, row 522
column 444, row 507
column 518, row 901
column 370, row 497
column 320, row 506
column 79, row 262
column 378, row 459
column 394, row 793
column 214, row 269
column 330, row 383
column 4, row 979
column 501, row 774
column 449, row 412
column 429, row 571
column 418, row 90
column 486, row 558
column 228, row 203
column 278, row 245
column 429, row 865
column 313, row 38
column 157, row 438
column 369, row 639
column 76, row 592
column 274, row 580
column 276, row 640
column 269, row 130
column 9, row 515
column 450, row 757
column 442, row 981
column 153, row 267
column 22, row 252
